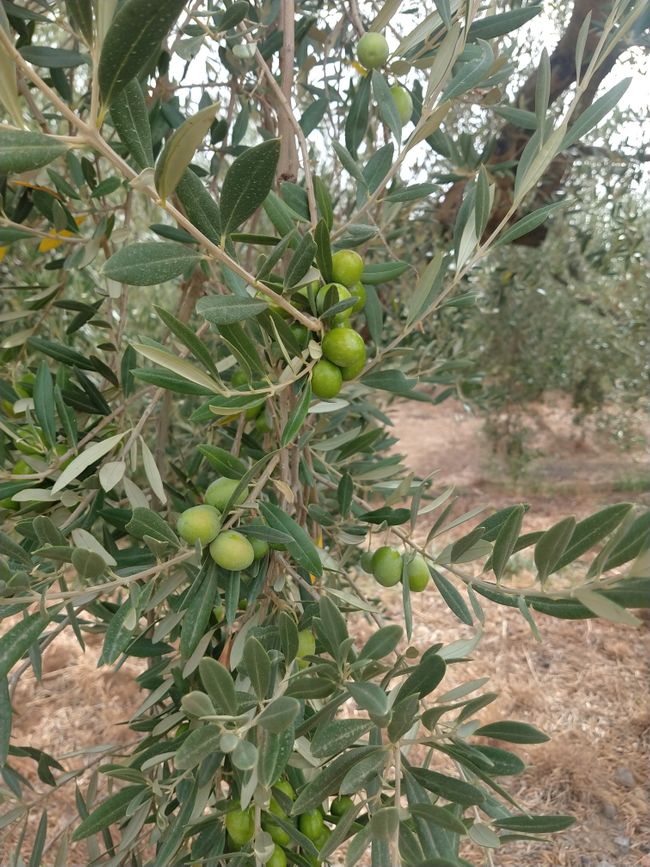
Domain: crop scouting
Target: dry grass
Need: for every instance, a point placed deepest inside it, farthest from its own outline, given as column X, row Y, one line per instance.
column 586, row 684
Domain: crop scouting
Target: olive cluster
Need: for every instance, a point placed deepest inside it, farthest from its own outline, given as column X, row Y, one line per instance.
column 372, row 53
column 240, row 824
column 344, row 350
column 228, row 548
column 386, row 564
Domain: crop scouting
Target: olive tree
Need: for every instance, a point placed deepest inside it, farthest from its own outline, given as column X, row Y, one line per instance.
column 203, row 472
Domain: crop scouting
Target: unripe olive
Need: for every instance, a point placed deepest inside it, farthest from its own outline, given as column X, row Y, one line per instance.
column 418, row 573
column 387, row 566
column 347, row 267
column 240, row 826
column 278, row 858
column 232, row 551
column 220, row 491
column 260, row 547
column 344, row 347
column 239, row 377
column 366, row 561
column 331, row 294
column 326, row 379
column 341, row 805
column 200, row 523
column 358, row 291
column 372, row 50
column 403, row 102
column 311, row 824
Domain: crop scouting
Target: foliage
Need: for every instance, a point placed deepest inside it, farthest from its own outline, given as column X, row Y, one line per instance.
column 118, row 414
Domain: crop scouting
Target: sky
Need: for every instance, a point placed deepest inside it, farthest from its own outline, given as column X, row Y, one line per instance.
column 542, row 32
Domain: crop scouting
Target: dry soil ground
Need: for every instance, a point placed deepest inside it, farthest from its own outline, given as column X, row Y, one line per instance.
column 586, row 684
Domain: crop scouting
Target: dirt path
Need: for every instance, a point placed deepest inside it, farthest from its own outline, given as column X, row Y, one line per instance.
column 586, row 684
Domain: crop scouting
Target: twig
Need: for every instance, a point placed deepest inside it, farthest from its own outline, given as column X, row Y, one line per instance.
column 288, row 162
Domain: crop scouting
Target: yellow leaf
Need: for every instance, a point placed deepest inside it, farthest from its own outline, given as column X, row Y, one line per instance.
column 53, row 239
column 3, row 252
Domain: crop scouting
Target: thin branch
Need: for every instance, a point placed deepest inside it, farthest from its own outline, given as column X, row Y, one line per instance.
column 288, row 162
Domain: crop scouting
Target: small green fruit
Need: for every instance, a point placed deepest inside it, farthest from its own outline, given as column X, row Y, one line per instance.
column 253, row 411
column 306, row 643
column 220, row 491
column 326, row 379
column 358, row 291
column 347, row 267
column 238, row 378
column 418, row 573
column 372, row 50
column 341, row 805
column 260, row 547
column 285, row 786
column 232, row 551
column 240, row 826
column 353, row 370
column 387, row 566
column 322, row 838
column 278, row 858
column 199, row 522
column 311, row 824
column 278, row 834
column 344, row 347
column 366, row 561
column 403, row 102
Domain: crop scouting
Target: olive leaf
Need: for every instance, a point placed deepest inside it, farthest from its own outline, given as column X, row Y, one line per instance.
column 180, row 149
column 136, row 31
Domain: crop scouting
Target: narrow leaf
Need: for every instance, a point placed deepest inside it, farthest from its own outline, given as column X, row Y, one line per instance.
column 150, row 263
column 17, row 640
column 22, row 151
column 297, row 417
column 131, row 121
column 228, row 309
column 44, row 403
column 505, row 542
column 180, row 148
column 199, row 206
column 136, row 31
column 302, row 549
column 247, row 183
column 87, row 458
column 552, row 545
column 593, row 115
column 513, row 732
column 219, row 685
column 112, row 810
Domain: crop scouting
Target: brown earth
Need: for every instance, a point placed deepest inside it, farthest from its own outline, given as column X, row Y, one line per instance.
column 586, row 684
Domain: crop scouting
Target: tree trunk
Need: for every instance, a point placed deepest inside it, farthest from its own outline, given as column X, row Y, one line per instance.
column 512, row 140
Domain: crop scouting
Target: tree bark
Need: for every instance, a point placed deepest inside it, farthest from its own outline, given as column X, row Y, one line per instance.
column 288, row 162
